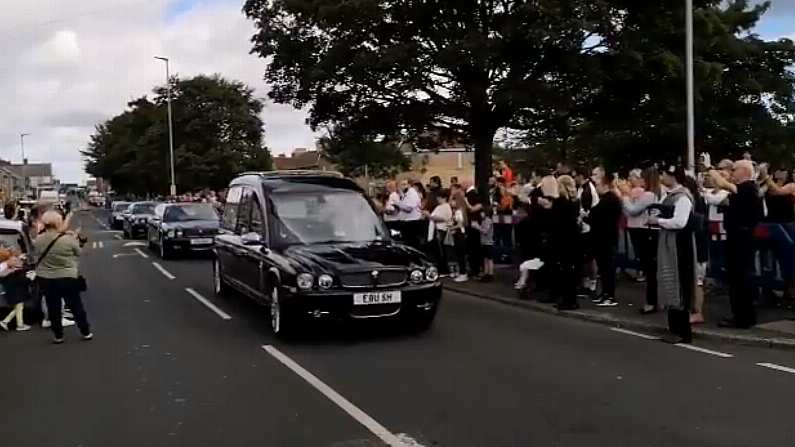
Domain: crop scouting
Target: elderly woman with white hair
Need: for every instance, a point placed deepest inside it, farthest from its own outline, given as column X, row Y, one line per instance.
column 57, row 273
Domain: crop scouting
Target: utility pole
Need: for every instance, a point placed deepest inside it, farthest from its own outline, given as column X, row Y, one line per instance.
column 691, row 126
column 170, row 127
column 24, row 165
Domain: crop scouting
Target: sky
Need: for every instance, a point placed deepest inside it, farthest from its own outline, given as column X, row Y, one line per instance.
column 71, row 64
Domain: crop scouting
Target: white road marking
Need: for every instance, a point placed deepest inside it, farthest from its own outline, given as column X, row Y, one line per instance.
column 777, row 367
column 704, row 350
column 110, row 231
column 134, row 244
column 143, row 255
column 633, row 333
column 360, row 416
column 100, row 244
column 119, row 255
column 165, row 272
column 117, row 236
column 206, row 302
column 94, row 244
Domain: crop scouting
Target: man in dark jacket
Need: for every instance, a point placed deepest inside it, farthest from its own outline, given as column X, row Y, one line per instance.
column 604, row 220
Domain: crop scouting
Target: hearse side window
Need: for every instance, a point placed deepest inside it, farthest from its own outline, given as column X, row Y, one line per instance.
column 231, row 208
column 250, row 214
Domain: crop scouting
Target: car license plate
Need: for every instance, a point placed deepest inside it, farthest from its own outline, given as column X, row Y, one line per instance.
column 201, row 241
column 376, row 298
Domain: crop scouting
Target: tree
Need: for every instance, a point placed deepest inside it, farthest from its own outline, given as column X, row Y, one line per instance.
column 744, row 85
column 217, row 134
column 403, row 67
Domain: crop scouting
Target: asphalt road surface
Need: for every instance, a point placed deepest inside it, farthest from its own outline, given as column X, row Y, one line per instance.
column 171, row 366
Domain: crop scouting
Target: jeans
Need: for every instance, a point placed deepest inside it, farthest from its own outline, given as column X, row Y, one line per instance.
column 65, row 289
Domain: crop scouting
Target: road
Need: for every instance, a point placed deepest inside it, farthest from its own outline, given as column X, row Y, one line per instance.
column 173, row 367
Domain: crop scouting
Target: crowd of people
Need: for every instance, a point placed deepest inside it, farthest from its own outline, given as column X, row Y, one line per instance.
column 566, row 226
column 45, row 273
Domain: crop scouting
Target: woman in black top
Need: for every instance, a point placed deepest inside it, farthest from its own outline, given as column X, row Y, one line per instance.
column 781, row 210
column 564, row 243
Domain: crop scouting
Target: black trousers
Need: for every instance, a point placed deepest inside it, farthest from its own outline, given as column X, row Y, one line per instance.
column 440, row 252
column 740, row 263
column 606, row 263
column 644, row 241
column 460, row 247
column 65, row 289
column 679, row 324
column 565, row 280
column 474, row 251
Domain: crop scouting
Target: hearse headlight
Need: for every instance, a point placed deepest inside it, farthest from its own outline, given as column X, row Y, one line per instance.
column 325, row 281
column 431, row 273
column 170, row 233
column 416, row 276
column 304, row 281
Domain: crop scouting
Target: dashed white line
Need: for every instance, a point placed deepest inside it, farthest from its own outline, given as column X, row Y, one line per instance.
column 777, row 367
column 633, row 333
column 165, row 272
column 206, row 302
column 94, row 244
column 100, row 244
column 360, row 416
column 704, row 350
column 140, row 252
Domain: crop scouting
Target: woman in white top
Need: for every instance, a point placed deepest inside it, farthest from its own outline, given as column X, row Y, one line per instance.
column 643, row 191
column 441, row 219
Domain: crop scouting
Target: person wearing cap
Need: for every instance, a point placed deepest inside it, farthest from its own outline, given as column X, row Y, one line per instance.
column 743, row 214
column 676, row 255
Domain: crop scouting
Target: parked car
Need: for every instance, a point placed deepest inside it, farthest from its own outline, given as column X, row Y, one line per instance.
column 136, row 219
column 183, row 227
column 310, row 246
column 116, row 218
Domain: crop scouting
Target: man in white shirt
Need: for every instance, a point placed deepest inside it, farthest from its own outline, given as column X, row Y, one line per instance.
column 410, row 214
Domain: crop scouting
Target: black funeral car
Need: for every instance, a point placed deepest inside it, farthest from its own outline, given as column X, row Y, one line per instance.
column 136, row 219
column 183, row 227
column 310, row 246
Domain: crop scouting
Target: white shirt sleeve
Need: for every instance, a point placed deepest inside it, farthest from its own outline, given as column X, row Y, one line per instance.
column 715, row 197
column 682, row 209
column 638, row 206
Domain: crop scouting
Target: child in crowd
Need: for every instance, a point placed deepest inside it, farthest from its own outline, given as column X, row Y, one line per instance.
column 486, row 227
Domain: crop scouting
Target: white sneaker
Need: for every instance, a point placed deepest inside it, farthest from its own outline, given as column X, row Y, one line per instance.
column 66, row 323
column 461, row 278
column 23, row 328
column 46, row 323
column 4, row 325
column 519, row 285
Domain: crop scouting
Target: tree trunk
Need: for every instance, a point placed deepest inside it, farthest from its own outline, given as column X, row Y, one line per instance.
column 484, row 142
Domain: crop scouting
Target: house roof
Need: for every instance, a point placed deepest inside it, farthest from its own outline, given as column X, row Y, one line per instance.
column 32, row 169
column 303, row 160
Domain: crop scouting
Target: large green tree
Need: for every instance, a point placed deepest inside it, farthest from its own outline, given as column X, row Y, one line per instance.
column 404, row 67
column 744, row 85
column 217, row 134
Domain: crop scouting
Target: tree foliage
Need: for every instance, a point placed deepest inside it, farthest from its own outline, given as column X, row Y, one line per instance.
column 403, row 67
column 217, row 134
column 582, row 79
column 359, row 155
column 744, row 85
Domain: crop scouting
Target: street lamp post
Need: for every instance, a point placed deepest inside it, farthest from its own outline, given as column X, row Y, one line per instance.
column 691, row 126
column 170, row 128
column 24, row 165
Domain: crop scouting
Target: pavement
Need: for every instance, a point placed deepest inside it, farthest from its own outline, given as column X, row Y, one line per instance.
column 776, row 326
column 166, row 369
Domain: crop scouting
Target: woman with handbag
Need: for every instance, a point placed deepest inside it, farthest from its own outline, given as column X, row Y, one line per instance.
column 57, row 273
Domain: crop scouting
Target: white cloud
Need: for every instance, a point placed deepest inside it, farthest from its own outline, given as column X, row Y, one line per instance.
column 80, row 61
column 61, row 48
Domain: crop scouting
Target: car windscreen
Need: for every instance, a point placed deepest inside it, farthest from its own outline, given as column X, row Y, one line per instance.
column 143, row 208
column 326, row 216
column 186, row 213
column 120, row 207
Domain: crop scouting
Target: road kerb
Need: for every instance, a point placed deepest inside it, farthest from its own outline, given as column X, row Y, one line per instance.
column 609, row 320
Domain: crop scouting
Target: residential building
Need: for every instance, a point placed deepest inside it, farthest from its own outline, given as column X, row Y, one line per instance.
column 302, row 158
column 39, row 176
